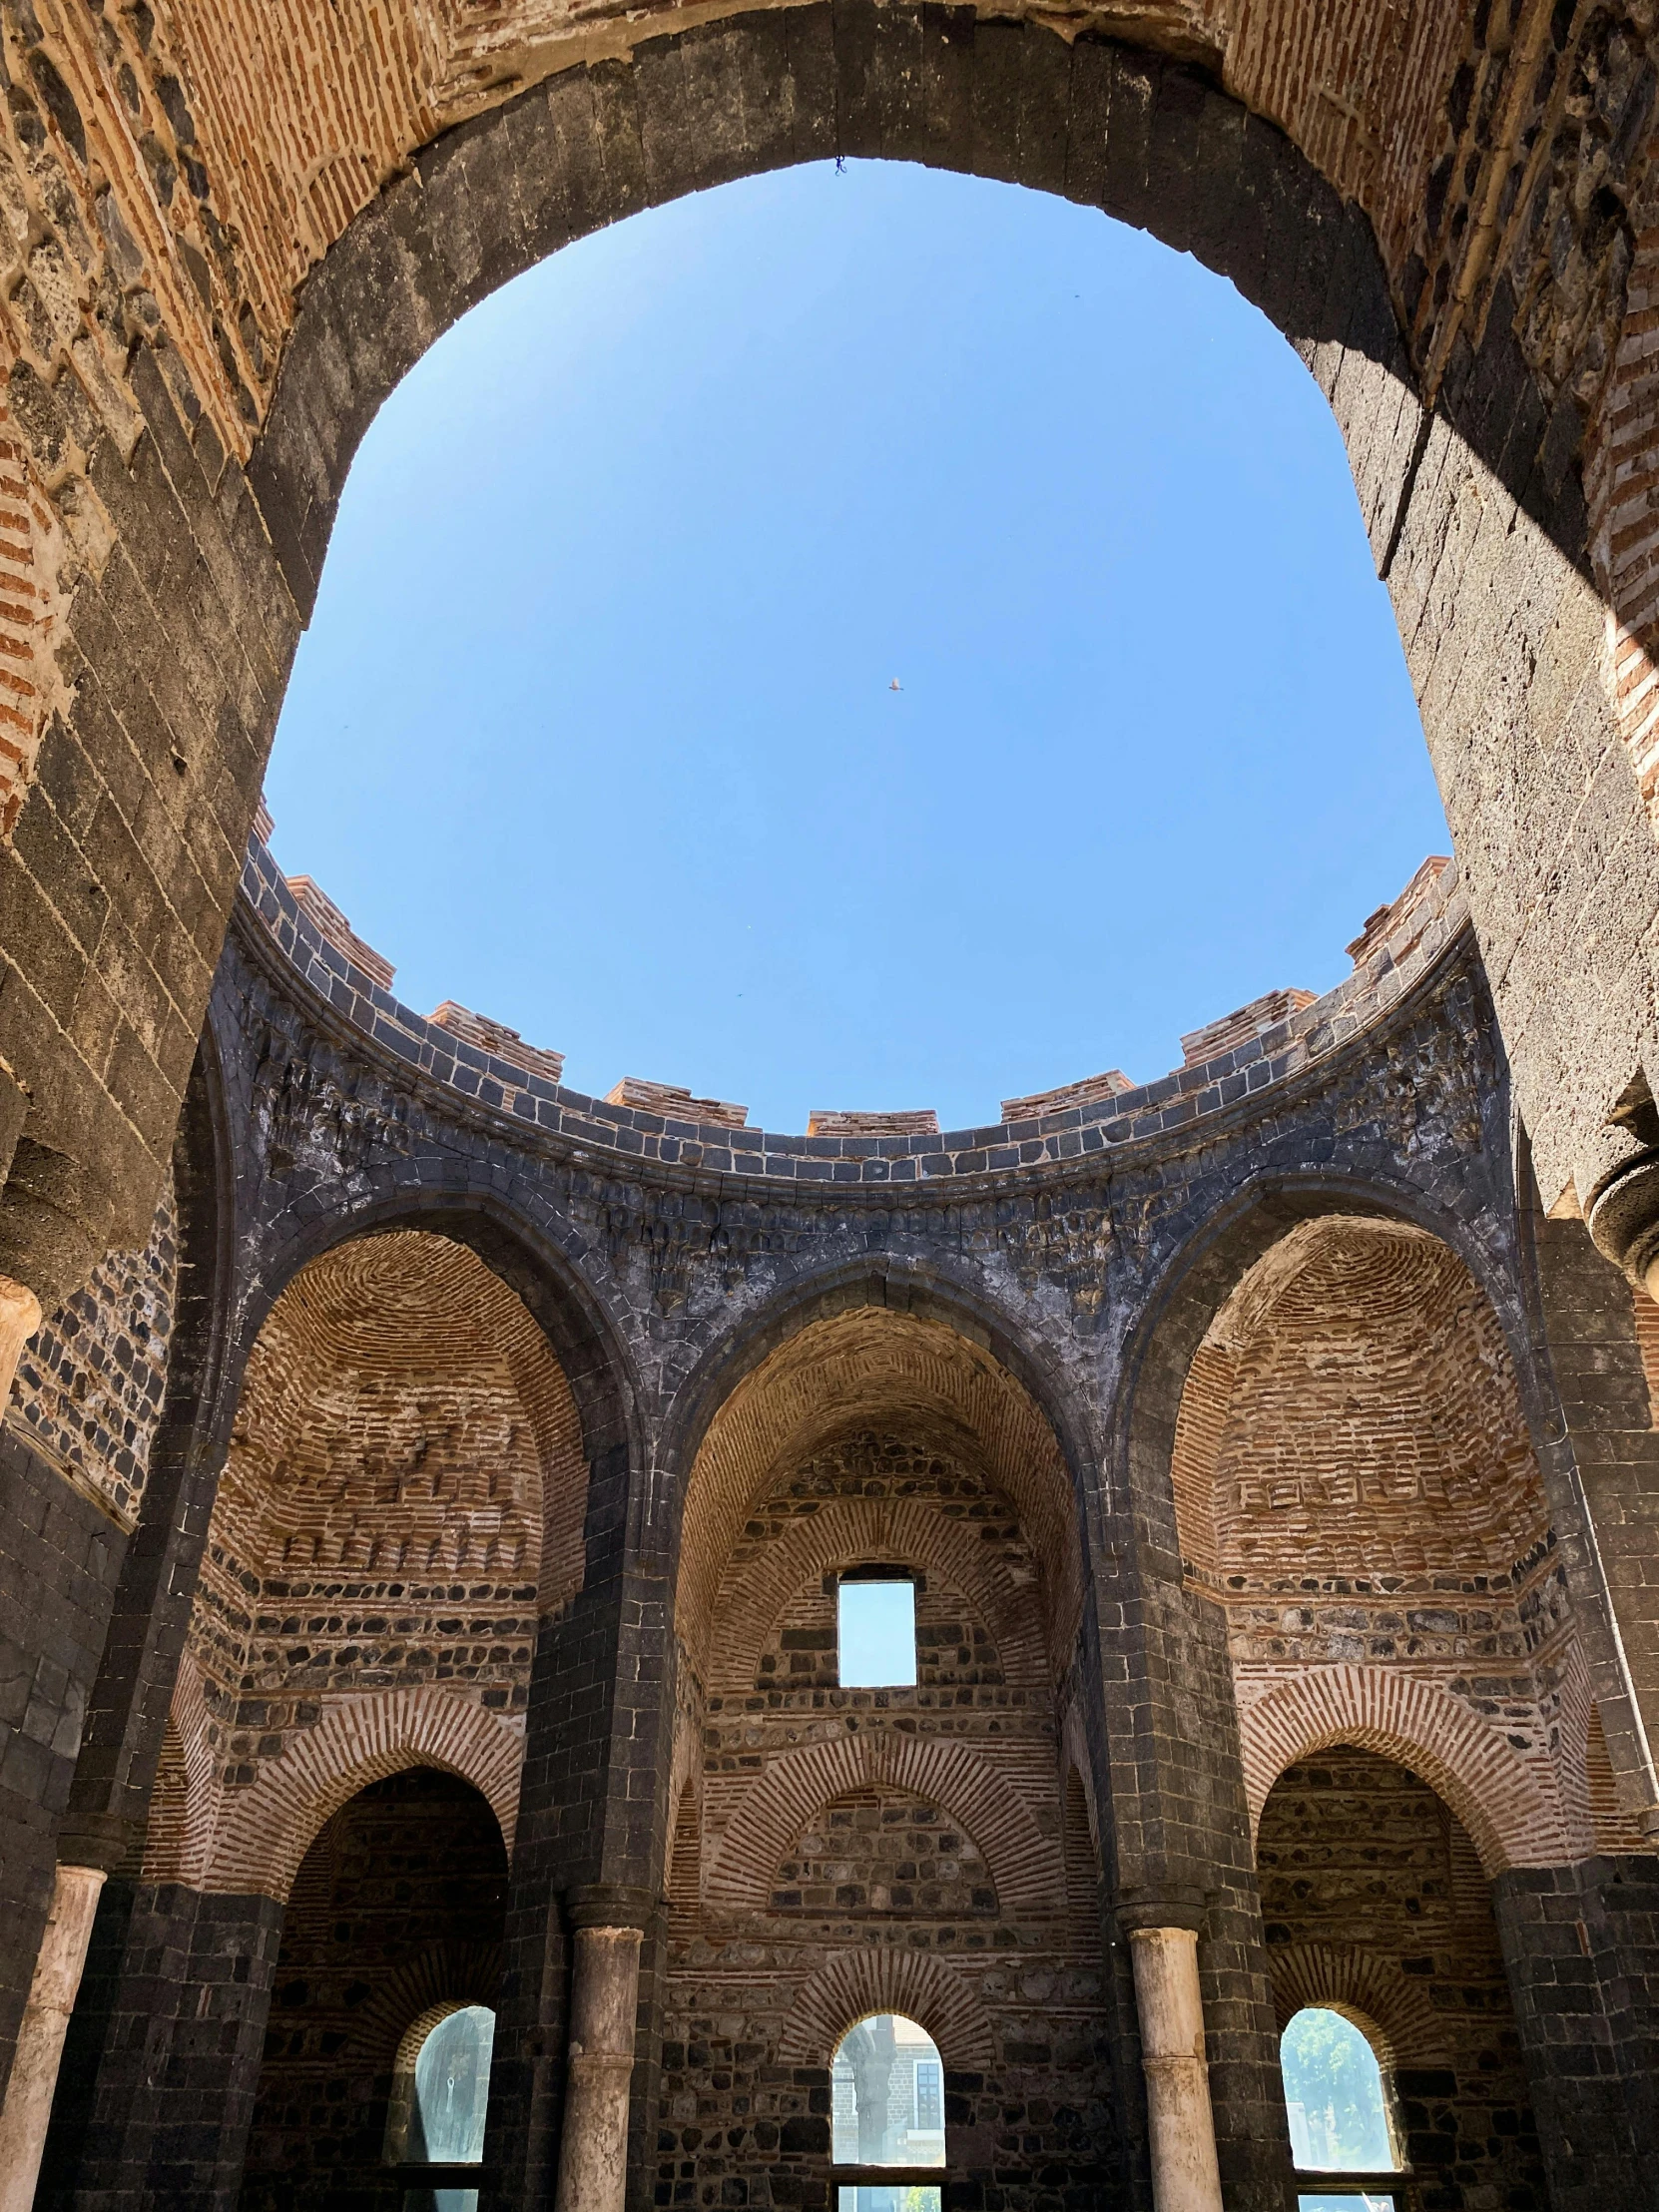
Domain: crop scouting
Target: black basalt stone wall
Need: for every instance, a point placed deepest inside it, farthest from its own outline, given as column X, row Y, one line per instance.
column 59, row 1560
column 1581, row 1946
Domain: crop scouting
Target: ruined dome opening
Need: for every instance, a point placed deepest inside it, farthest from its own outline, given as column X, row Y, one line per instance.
column 884, row 501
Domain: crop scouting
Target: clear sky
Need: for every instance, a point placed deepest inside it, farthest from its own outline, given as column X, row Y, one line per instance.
column 594, row 728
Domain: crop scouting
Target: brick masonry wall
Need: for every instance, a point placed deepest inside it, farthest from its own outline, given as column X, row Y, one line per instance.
column 403, row 1500
column 833, row 1843
column 1354, row 1485
column 90, row 1382
column 1373, row 1898
column 397, row 1907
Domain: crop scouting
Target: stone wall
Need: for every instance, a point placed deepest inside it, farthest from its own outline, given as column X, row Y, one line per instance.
column 1375, row 1900
column 398, row 1908
column 90, row 1383
column 838, row 1849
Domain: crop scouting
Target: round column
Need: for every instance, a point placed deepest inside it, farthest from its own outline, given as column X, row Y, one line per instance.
column 34, row 2075
column 1185, row 2177
column 604, row 1999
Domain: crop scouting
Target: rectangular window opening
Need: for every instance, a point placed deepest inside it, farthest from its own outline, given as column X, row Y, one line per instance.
column 1348, row 2200
column 901, row 2196
column 876, row 1638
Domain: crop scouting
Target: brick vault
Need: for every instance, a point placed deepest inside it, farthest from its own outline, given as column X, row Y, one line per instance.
column 429, row 1491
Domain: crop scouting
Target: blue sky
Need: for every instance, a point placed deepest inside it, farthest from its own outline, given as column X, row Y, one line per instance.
column 593, row 728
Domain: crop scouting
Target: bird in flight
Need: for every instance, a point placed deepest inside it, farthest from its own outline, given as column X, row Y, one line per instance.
column 896, row 685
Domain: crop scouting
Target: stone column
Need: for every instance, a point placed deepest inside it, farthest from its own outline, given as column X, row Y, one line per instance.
column 603, row 2002
column 1185, row 2177
column 34, row 2075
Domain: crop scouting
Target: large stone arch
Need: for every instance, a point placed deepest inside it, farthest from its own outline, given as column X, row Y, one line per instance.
column 1024, row 1864
column 264, row 1832
column 879, row 1344
column 854, row 1983
column 1513, row 1819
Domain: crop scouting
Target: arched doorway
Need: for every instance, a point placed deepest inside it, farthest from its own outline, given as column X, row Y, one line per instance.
column 390, row 1949
column 1378, row 1911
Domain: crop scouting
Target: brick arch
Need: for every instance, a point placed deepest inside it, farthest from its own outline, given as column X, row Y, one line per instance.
column 1354, row 1343
column 1208, row 1266
column 1502, row 1804
column 184, row 1807
column 854, row 1983
column 439, row 1979
column 876, row 1363
column 897, row 1529
column 410, row 1312
column 265, row 1830
column 1393, row 2012
column 1025, row 1864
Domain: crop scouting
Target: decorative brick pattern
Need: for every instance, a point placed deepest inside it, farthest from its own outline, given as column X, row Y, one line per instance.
column 997, row 1582
column 1368, row 1883
column 404, row 1492
column 889, row 1365
column 91, row 1380
column 1490, row 1789
column 853, row 1983
column 1391, row 2007
column 1024, row 1864
column 262, row 1832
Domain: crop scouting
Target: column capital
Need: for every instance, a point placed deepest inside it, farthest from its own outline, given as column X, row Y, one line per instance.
column 1178, row 1905
column 609, row 1904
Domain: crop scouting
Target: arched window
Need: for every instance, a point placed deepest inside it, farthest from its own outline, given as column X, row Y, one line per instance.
column 441, row 2095
column 888, row 2105
column 1339, row 2107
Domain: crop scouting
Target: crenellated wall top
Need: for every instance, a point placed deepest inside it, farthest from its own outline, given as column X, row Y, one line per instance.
column 1398, row 949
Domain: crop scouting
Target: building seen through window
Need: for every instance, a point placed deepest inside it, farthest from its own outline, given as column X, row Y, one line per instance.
column 1340, row 2109
column 875, row 1634
column 887, row 2107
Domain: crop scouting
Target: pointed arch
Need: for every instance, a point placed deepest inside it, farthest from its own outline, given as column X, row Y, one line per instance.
column 1393, row 2012
column 868, row 1528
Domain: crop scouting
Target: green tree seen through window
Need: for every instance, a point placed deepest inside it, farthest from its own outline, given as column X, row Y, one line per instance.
column 1334, row 2097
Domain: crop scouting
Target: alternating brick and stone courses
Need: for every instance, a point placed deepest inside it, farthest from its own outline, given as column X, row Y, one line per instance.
column 1222, row 1433
column 1269, row 1441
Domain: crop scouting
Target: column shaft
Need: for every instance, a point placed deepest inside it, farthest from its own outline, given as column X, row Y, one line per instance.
column 1185, row 2177
column 593, row 2147
column 34, row 2075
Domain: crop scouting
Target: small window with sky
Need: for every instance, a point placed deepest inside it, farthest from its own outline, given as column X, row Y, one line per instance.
column 876, row 1633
